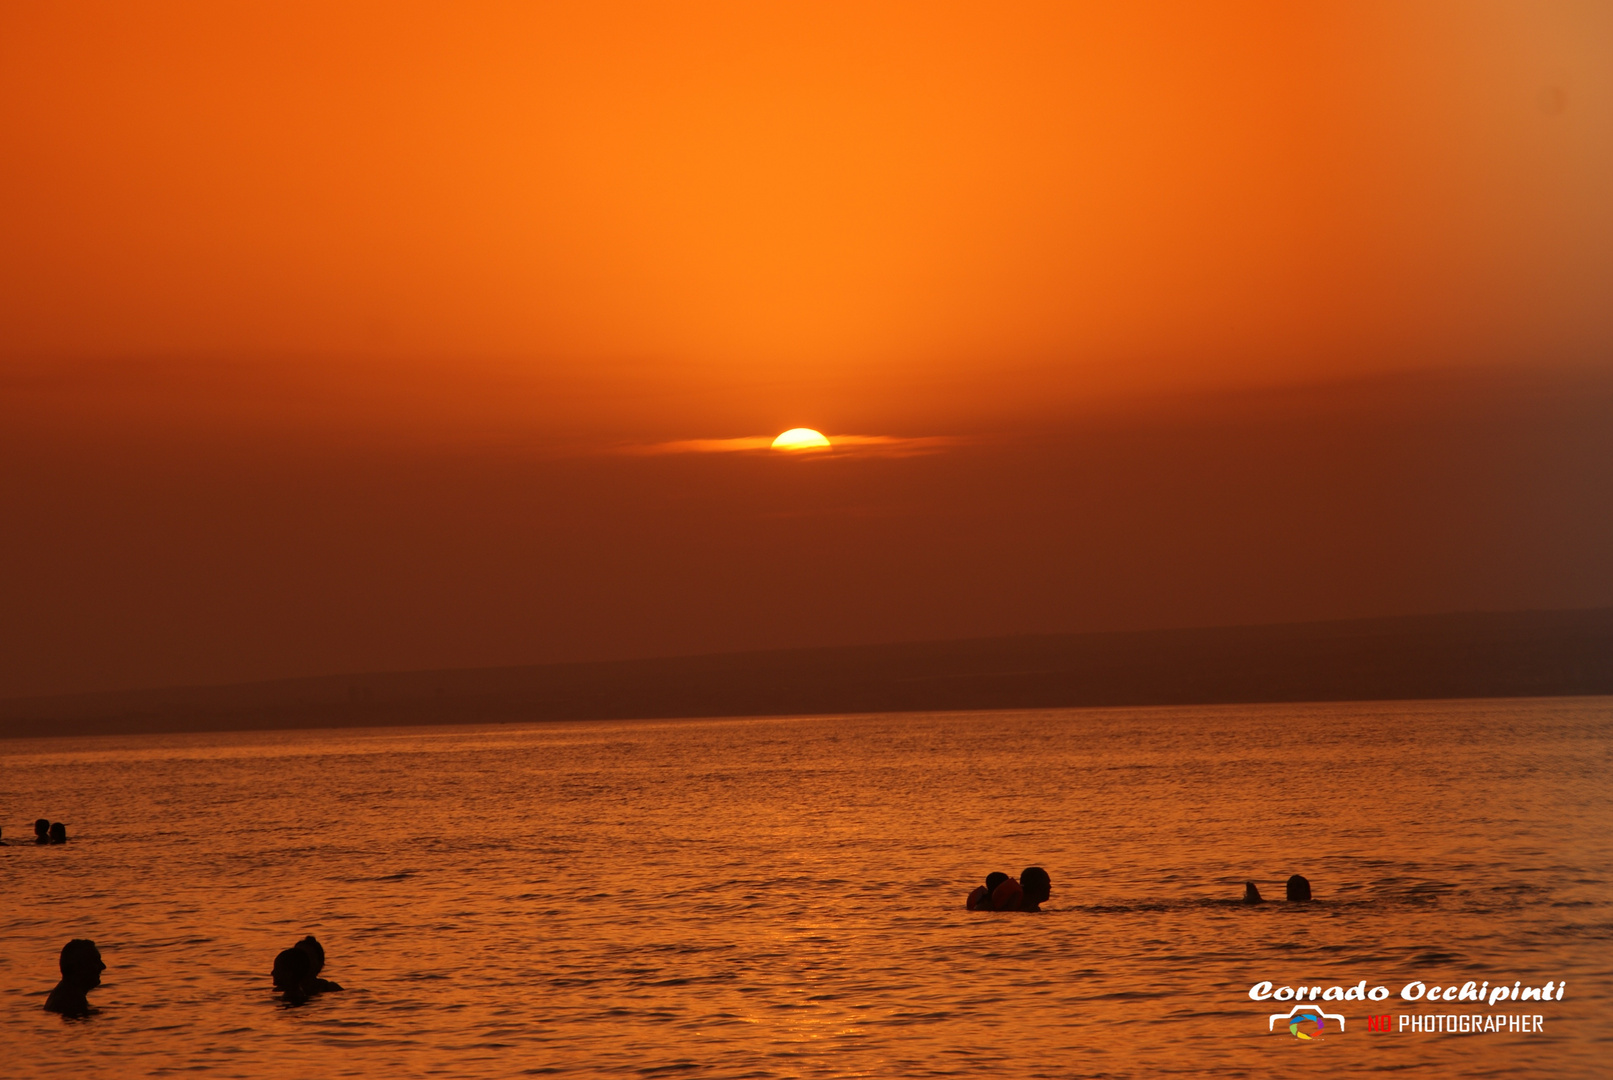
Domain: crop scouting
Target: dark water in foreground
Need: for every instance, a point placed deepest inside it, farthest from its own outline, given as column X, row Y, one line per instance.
column 775, row 897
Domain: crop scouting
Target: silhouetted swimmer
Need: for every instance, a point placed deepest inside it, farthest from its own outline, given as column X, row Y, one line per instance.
column 1036, row 886
column 1299, row 889
column 292, row 971
column 42, row 831
column 81, row 972
column 1028, row 893
column 980, row 898
column 58, row 833
column 296, row 971
column 1251, row 895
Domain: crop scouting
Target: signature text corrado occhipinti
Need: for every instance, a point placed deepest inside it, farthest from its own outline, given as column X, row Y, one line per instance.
column 1416, row 990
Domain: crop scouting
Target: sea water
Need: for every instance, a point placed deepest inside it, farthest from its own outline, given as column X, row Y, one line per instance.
column 784, row 897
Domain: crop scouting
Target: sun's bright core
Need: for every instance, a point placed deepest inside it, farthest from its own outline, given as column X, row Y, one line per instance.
column 800, row 438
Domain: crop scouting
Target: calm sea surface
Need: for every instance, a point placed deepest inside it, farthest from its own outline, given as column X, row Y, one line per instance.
column 784, row 897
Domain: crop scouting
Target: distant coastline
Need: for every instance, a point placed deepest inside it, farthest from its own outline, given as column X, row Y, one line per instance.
column 1469, row 655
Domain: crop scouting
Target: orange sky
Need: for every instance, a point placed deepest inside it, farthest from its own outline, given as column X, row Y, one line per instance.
column 326, row 232
column 841, row 198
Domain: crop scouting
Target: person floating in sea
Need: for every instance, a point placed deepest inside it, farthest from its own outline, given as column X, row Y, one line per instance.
column 58, row 833
column 81, row 966
column 979, row 899
column 296, row 971
column 1035, row 888
column 1251, row 895
column 42, row 831
column 1026, row 893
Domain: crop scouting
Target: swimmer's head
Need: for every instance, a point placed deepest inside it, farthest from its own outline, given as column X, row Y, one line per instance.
column 994, row 879
column 42, row 827
column 1299, row 888
column 315, row 951
column 1037, row 885
column 81, row 963
column 58, row 833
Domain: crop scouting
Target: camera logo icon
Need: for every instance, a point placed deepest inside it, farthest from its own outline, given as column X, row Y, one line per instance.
column 1305, row 1022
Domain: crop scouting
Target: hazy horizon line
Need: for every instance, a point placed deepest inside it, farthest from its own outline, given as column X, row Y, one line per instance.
column 799, row 649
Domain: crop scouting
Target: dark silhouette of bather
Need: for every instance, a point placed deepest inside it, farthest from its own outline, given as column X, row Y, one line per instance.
column 1299, row 888
column 296, row 971
column 1251, row 895
column 42, row 831
column 980, row 898
column 81, row 972
column 1036, row 887
column 58, row 833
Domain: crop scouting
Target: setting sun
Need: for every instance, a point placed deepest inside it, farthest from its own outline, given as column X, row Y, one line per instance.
column 800, row 438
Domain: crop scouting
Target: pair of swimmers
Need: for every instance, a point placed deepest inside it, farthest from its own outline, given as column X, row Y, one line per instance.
column 296, row 975
column 1299, row 891
column 1002, row 893
column 47, row 832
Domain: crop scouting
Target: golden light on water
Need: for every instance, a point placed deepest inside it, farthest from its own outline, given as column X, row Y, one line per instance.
column 801, row 438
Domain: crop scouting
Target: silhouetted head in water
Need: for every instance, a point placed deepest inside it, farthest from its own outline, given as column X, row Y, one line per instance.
column 315, row 951
column 1251, row 895
column 293, row 971
column 81, row 972
column 58, row 833
column 994, row 879
column 42, row 831
column 296, row 971
column 1037, row 888
column 1299, row 888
